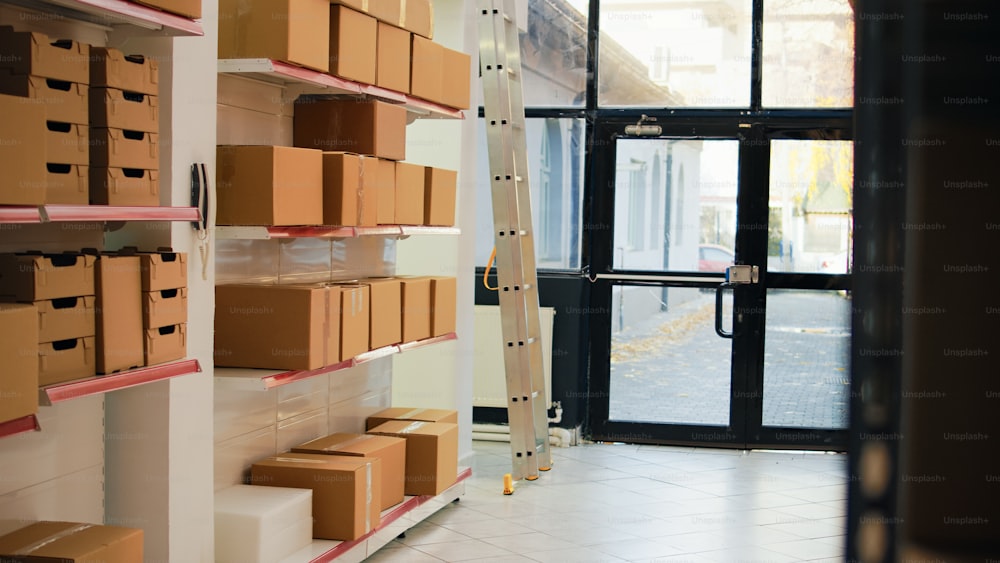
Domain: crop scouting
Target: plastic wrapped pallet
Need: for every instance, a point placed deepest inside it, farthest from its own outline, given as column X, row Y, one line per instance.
column 261, row 524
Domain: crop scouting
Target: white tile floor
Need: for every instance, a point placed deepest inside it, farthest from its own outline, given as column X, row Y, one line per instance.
column 605, row 502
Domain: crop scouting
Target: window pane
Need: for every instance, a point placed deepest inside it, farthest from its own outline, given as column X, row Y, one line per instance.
column 554, row 53
column 555, row 158
column 808, row 53
column 675, row 53
column 675, row 204
column 811, row 210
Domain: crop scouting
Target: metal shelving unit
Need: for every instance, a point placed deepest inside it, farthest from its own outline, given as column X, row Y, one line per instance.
column 116, row 13
column 266, row 233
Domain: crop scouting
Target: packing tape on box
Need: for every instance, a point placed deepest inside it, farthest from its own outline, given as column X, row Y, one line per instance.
column 28, row 549
column 368, row 497
column 327, row 321
column 411, row 414
column 360, row 212
column 402, row 13
column 297, row 460
column 412, row 427
column 348, row 443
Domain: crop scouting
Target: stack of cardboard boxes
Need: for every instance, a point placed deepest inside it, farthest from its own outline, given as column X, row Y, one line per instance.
column 164, row 305
column 19, row 348
column 84, row 123
column 187, row 8
column 311, row 326
column 72, row 541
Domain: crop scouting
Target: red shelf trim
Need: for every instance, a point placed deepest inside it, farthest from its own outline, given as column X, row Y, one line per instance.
column 315, row 77
column 138, row 12
column 407, row 346
column 292, row 376
column 354, row 232
column 19, row 426
column 395, row 513
column 106, row 383
column 84, row 213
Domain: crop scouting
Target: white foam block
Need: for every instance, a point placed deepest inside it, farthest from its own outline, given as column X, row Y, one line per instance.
column 256, row 524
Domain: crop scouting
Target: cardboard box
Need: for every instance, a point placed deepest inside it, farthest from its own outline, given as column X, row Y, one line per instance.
column 349, row 184
column 440, row 193
column 393, row 65
column 353, row 44
column 457, row 88
column 35, row 277
column 121, row 148
column 391, row 450
column 71, row 542
column 409, row 193
column 431, row 454
column 165, row 344
column 36, row 54
column 187, row 8
column 124, row 186
column 166, row 307
column 416, row 308
column 359, row 5
column 292, row 327
column 23, row 131
column 386, row 317
column 119, row 313
column 295, row 31
column 163, row 269
column 427, row 69
column 67, row 184
column 263, row 185
column 346, row 492
column 118, row 109
column 364, row 127
column 111, row 68
column 66, row 360
column 67, row 143
column 355, row 302
column 443, row 305
column 385, row 193
column 63, row 101
column 412, row 15
column 411, row 415
column 66, row 318
column 19, row 350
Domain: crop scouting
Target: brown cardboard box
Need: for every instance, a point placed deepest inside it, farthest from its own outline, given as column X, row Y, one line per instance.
column 163, row 269
column 412, row 15
column 67, row 143
column 388, row 11
column 456, row 90
column 349, row 184
column 35, row 277
column 66, row 360
column 186, row 8
column 118, row 109
column 365, row 127
column 431, row 454
column 409, row 193
column 411, row 415
column 67, row 184
column 165, row 344
column 355, row 303
column 393, row 67
column 36, row 54
column 66, row 318
column 63, row 101
column 386, row 318
column 111, row 68
column 353, row 40
column 359, row 5
column 124, row 186
column 443, row 305
column 385, row 193
column 427, row 69
column 166, row 307
column 296, row 31
column 293, row 327
column 23, row 132
column 70, row 542
column 19, row 350
column 392, row 452
column 119, row 313
column 346, row 492
column 416, row 308
column 121, row 148
column 263, row 185
column 440, row 193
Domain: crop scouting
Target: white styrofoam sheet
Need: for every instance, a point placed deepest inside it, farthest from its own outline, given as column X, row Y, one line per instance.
column 360, row 380
column 239, row 411
column 349, row 416
column 304, row 428
column 303, row 396
column 234, row 457
column 255, row 524
column 72, row 497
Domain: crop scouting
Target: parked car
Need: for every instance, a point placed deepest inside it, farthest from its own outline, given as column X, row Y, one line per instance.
column 714, row 258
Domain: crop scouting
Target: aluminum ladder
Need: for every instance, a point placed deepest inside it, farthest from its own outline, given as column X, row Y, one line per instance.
column 517, row 283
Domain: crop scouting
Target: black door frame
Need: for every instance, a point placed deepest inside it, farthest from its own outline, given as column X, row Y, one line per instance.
column 754, row 131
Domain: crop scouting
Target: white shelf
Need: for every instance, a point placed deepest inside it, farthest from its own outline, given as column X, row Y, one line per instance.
column 95, row 213
column 251, row 379
column 395, row 521
column 266, row 233
column 115, row 13
column 314, row 82
column 100, row 384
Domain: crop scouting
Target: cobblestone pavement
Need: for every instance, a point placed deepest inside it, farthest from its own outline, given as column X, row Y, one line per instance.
column 672, row 367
